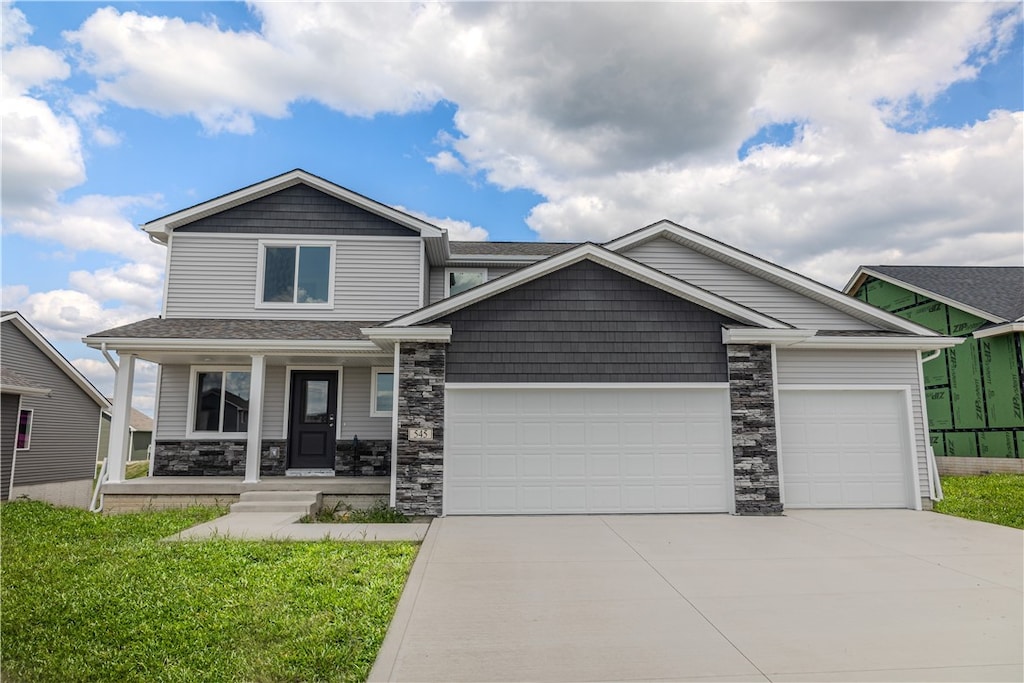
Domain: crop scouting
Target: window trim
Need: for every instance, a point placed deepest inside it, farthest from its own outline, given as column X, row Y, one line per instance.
column 293, row 305
column 28, row 432
column 387, row 370
column 190, row 417
column 449, row 271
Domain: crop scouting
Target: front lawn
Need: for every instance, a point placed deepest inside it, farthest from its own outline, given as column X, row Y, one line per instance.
column 996, row 498
column 100, row 598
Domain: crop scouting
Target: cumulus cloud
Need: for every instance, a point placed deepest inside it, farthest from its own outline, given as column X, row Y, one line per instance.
column 457, row 230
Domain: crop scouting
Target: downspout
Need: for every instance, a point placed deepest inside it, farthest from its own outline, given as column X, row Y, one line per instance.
column 933, row 467
column 106, row 354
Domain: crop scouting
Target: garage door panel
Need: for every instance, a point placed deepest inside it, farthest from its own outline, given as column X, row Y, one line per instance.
column 844, row 448
column 632, row 450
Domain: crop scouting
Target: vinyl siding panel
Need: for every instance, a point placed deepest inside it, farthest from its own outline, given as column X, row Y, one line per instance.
column 8, row 434
column 586, row 323
column 65, row 425
column 172, row 402
column 355, row 408
column 851, row 367
column 215, row 276
column 742, row 287
column 274, row 399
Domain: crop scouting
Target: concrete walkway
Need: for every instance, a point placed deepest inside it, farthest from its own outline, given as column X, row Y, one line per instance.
column 865, row 595
column 283, row 526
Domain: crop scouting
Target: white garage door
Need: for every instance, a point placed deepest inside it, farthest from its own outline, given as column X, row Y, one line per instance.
column 844, row 449
column 586, row 450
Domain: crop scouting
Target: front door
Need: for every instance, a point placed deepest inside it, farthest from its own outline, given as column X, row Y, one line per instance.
column 314, row 409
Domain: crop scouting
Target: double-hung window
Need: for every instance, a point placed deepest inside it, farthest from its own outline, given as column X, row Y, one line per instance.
column 382, row 392
column 293, row 275
column 457, row 280
column 219, row 402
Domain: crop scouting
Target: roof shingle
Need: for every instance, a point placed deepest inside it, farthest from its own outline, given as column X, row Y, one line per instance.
column 998, row 290
column 219, row 328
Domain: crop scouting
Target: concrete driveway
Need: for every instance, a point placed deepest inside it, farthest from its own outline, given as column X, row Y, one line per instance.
column 819, row 595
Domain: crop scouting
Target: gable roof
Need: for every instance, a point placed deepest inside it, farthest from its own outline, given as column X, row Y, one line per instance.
column 601, row 256
column 769, row 271
column 994, row 293
column 159, row 228
column 33, row 335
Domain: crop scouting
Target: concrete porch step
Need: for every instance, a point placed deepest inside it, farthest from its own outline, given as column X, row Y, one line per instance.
column 303, row 502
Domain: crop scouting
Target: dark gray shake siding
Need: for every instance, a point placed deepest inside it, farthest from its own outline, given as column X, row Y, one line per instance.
column 298, row 209
column 65, row 425
column 8, row 429
column 586, row 323
column 754, row 437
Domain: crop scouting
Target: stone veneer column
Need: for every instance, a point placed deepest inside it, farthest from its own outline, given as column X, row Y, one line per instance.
column 754, row 443
column 419, row 473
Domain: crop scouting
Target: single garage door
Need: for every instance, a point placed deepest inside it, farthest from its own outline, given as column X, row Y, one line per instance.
column 586, row 450
column 844, row 449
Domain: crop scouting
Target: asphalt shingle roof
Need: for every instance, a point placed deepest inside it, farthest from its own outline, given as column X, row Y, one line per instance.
column 998, row 290
column 196, row 328
column 509, row 248
column 11, row 378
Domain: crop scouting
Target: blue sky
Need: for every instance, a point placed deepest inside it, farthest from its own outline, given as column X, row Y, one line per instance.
column 820, row 136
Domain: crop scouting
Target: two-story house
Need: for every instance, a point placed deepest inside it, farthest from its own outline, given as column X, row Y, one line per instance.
column 311, row 332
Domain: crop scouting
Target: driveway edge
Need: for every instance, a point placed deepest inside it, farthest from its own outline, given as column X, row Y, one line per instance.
column 384, row 665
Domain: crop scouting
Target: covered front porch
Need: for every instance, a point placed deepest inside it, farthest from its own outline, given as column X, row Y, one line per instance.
column 157, row 493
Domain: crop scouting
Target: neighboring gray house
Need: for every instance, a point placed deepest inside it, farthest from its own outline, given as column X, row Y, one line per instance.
column 49, row 419
column 660, row 372
column 140, row 435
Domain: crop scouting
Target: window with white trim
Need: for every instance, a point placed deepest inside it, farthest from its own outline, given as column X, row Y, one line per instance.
column 24, row 440
column 382, row 392
column 219, row 401
column 457, row 280
column 292, row 274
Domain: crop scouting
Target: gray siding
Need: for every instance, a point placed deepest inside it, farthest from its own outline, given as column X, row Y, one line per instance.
column 8, row 432
column 742, row 287
column 298, row 209
column 172, row 402
column 274, row 399
column 897, row 368
column 215, row 276
column 65, row 425
column 586, row 323
column 355, row 408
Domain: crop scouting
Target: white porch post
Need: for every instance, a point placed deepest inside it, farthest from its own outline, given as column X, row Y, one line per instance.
column 117, row 449
column 255, row 434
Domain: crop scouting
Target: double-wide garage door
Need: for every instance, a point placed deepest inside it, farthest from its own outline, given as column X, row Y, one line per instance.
column 587, row 450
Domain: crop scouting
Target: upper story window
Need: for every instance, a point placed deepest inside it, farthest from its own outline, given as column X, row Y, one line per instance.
column 458, row 280
column 296, row 274
column 219, row 402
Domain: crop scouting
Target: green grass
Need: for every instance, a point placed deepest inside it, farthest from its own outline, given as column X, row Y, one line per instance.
column 100, row 598
column 134, row 470
column 380, row 513
column 995, row 498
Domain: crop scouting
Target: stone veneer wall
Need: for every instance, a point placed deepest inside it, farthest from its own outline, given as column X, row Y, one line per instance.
column 227, row 459
column 371, row 459
column 420, row 404
column 754, row 438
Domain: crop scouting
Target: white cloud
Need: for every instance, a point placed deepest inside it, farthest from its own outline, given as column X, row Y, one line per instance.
column 66, row 314
column 135, row 284
column 446, row 162
column 457, row 229
column 11, row 296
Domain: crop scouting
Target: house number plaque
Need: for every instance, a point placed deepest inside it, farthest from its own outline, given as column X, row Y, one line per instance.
column 420, row 434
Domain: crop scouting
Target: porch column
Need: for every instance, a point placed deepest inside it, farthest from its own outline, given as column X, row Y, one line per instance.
column 255, row 434
column 117, row 448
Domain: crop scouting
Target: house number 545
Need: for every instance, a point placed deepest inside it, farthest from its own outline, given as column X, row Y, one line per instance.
column 420, row 434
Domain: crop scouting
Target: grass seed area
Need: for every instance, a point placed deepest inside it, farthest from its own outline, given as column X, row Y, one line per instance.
column 995, row 498
column 100, row 598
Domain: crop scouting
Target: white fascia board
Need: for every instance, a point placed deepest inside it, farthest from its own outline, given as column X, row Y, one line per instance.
column 162, row 226
column 894, row 343
column 756, row 335
column 24, row 391
column 43, row 344
column 959, row 305
column 403, row 334
column 601, row 256
column 999, row 330
column 769, row 271
column 214, row 345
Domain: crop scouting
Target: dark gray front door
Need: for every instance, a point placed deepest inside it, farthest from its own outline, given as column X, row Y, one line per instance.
column 314, row 409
